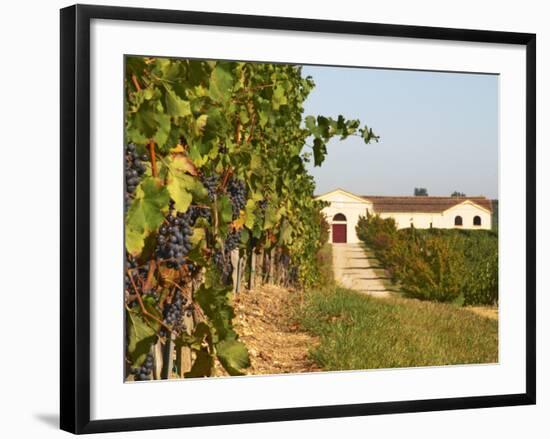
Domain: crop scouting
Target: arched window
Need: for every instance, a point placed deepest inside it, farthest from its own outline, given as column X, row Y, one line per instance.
column 458, row 220
column 339, row 217
column 477, row 220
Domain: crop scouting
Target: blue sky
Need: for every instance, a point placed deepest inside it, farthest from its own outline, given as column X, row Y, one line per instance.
column 438, row 130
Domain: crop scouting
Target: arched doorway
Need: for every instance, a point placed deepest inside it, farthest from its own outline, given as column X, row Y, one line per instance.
column 339, row 229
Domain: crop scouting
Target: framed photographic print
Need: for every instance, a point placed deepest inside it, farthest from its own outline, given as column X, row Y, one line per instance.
column 268, row 218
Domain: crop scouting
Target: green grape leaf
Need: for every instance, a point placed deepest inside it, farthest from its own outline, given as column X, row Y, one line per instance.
column 141, row 336
column 134, row 240
column 319, row 151
column 214, row 124
column 200, row 124
column 224, row 209
column 146, row 213
column 214, row 301
column 279, row 97
column 182, row 163
column 250, row 217
column 233, row 356
column 243, row 116
column 323, row 125
column 255, row 162
column 179, row 186
column 245, row 236
column 202, row 333
column 195, row 341
column 145, row 121
column 163, row 131
column 286, row 232
column 197, row 236
column 270, row 217
column 133, row 135
column 263, row 116
column 176, row 106
column 310, row 124
column 221, row 82
column 202, row 366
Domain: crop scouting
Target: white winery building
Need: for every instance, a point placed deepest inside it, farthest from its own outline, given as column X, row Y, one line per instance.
column 422, row 212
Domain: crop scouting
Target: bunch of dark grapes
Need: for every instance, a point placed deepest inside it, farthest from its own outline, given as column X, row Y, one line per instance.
column 211, row 185
column 174, row 239
column 144, row 372
column 135, row 168
column 233, row 240
column 222, row 148
column 173, row 312
column 196, row 212
column 131, row 264
column 237, row 192
column 223, row 263
column 218, row 258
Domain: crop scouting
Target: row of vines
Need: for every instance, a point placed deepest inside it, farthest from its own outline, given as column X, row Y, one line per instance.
column 218, row 198
column 445, row 265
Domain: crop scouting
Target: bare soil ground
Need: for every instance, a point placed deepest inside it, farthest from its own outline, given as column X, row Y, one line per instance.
column 276, row 345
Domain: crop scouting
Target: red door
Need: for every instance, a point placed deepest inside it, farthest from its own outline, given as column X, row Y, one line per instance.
column 339, row 233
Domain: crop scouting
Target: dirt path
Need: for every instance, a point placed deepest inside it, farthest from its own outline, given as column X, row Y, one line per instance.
column 274, row 344
column 355, row 270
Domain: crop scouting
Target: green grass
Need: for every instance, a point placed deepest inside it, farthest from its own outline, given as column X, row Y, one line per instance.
column 361, row 332
column 324, row 263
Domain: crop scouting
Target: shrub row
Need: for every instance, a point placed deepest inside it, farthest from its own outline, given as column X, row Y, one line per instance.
column 444, row 265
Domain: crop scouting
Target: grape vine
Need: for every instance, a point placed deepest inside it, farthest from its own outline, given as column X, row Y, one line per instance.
column 135, row 168
column 217, row 195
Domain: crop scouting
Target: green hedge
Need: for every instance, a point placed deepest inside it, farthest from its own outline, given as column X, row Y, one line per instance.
column 444, row 265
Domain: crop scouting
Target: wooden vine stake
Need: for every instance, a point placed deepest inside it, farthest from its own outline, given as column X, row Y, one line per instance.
column 157, row 360
column 168, row 356
column 184, row 359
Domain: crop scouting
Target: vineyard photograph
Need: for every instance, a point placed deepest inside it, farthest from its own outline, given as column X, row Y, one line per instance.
column 252, row 245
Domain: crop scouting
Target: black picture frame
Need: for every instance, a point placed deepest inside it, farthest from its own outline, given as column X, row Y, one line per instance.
column 75, row 217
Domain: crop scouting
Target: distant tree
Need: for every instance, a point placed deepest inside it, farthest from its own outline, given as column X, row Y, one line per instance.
column 420, row 192
column 458, row 194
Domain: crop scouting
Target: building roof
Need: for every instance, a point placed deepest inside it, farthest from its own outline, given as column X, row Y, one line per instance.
column 426, row 204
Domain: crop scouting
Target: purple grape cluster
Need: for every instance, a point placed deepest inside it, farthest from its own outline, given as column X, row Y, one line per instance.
column 196, row 212
column 211, row 185
column 237, row 193
column 223, row 263
column 173, row 314
column 134, row 170
column 174, row 238
column 233, row 240
column 173, row 311
column 130, row 265
column 144, row 372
